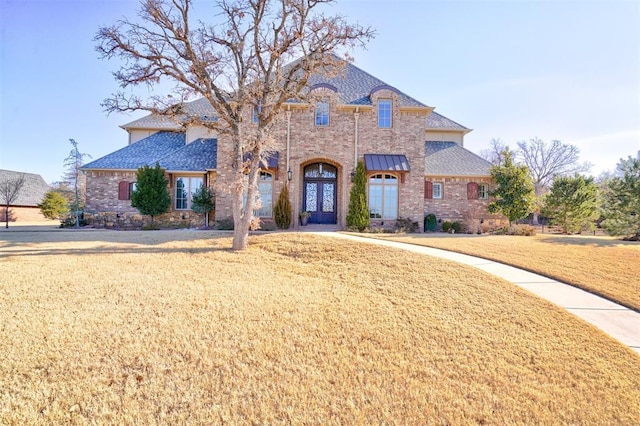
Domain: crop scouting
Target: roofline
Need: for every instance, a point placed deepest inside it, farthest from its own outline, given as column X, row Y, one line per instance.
column 435, row 129
column 454, row 175
column 424, row 109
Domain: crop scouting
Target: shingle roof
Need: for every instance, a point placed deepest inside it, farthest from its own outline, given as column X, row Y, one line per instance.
column 440, row 122
column 145, row 152
column 353, row 85
column 33, row 190
column 451, row 159
column 199, row 155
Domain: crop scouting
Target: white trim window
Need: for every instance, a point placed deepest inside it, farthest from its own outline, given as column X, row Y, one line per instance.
column 383, row 197
column 322, row 113
column 265, row 188
column 438, row 190
column 384, row 113
column 483, row 191
column 185, row 187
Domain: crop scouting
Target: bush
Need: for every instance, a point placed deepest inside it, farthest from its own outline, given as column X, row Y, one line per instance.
column 225, row 224
column 457, row 227
column 282, row 209
column 446, row 226
column 518, row 230
column 405, row 225
column 430, row 222
column 268, row 225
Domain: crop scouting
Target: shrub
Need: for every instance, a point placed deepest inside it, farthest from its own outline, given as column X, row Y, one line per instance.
column 405, row 225
column 430, row 222
column 518, row 230
column 457, row 227
column 268, row 225
column 225, row 224
column 446, row 226
column 282, row 210
column 358, row 214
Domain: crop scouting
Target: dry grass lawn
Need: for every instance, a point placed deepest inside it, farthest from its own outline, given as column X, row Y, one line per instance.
column 601, row 265
column 171, row 327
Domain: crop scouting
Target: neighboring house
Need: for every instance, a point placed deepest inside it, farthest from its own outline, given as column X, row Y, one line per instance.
column 415, row 159
column 25, row 207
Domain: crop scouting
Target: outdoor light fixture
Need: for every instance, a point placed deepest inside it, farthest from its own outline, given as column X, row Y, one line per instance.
column 289, row 174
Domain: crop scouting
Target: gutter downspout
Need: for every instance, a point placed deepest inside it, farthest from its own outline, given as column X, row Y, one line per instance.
column 288, row 136
column 356, row 115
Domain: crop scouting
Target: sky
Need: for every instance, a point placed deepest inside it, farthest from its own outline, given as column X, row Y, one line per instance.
column 514, row 70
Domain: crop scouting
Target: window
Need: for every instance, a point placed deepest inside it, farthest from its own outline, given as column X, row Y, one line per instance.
column 483, row 191
column 384, row 113
column 125, row 189
column 437, row 190
column 185, row 187
column 322, row 113
column 383, row 197
column 265, row 187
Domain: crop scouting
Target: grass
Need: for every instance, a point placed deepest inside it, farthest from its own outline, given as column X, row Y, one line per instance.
column 172, row 327
column 601, row 265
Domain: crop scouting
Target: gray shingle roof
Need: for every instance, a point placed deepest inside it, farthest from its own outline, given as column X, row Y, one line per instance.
column 145, row 152
column 199, row 155
column 451, row 159
column 440, row 122
column 355, row 86
column 32, row 191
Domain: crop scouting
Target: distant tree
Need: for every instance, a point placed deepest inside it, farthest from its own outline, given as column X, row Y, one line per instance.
column 54, row 205
column 258, row 56
column 514, row 194
column 622, row 201
column 9, row 191
column 493, row 153
column 358, row 214
column 282, row 211
column 203, row 202
column 572, row 203
column 546, row 161
column 151, row 196
column 75, row 179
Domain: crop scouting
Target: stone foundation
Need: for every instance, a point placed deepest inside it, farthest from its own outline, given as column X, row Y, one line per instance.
column 129, row 220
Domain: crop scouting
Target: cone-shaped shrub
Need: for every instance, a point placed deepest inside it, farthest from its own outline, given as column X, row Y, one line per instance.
column 358, row 215
column 282, row 209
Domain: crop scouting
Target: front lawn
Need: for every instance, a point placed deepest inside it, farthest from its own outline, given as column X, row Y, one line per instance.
column 601, row 265
column 171, row 327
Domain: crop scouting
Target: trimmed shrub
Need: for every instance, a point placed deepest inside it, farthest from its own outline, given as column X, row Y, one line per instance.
column 446, row 226
column 430, row 222
column 282, row 211
column 457, row 227
column 225, row 224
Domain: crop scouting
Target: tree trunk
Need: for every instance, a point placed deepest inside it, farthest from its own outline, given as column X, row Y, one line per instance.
column 535, row 218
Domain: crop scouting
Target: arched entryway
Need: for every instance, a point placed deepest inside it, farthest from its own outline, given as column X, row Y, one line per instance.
column 320, row 197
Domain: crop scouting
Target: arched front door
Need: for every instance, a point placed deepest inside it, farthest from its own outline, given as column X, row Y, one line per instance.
column 320, row 193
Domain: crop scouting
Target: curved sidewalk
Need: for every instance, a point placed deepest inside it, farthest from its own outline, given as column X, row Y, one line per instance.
column 617, row 321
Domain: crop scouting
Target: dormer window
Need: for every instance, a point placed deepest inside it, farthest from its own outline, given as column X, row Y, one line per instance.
column 322, row 113
column 384, row 113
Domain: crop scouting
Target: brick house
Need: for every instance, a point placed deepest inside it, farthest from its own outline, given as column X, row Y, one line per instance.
column 415, row 159
column 25, row 207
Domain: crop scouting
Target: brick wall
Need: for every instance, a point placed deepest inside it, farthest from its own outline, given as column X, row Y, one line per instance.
column 454, row 206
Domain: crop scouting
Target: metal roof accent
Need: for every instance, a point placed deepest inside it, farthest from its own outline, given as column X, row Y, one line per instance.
column 451, row 159
column 386, row 163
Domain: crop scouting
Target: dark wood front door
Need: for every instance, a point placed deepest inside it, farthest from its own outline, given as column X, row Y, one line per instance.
column 320, row 193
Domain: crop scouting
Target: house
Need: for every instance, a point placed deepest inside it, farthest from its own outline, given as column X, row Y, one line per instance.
column 25, row 207
column 415, row 159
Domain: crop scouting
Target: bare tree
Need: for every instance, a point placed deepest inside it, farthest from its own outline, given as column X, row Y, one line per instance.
column 546, row 161
column 9, row 191
column 493, row 154
column 259, row 56
column 74, row 178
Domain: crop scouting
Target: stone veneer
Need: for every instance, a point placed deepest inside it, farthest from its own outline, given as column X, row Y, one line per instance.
column 454, row 206
column 334, row 144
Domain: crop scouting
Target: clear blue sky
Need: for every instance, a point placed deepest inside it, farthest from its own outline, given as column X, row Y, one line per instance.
column 514, row 70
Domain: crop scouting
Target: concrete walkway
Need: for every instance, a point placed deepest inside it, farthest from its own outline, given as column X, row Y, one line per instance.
column 617, row 321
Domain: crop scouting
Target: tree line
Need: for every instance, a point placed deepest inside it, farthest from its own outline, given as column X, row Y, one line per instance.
column 548, row 179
